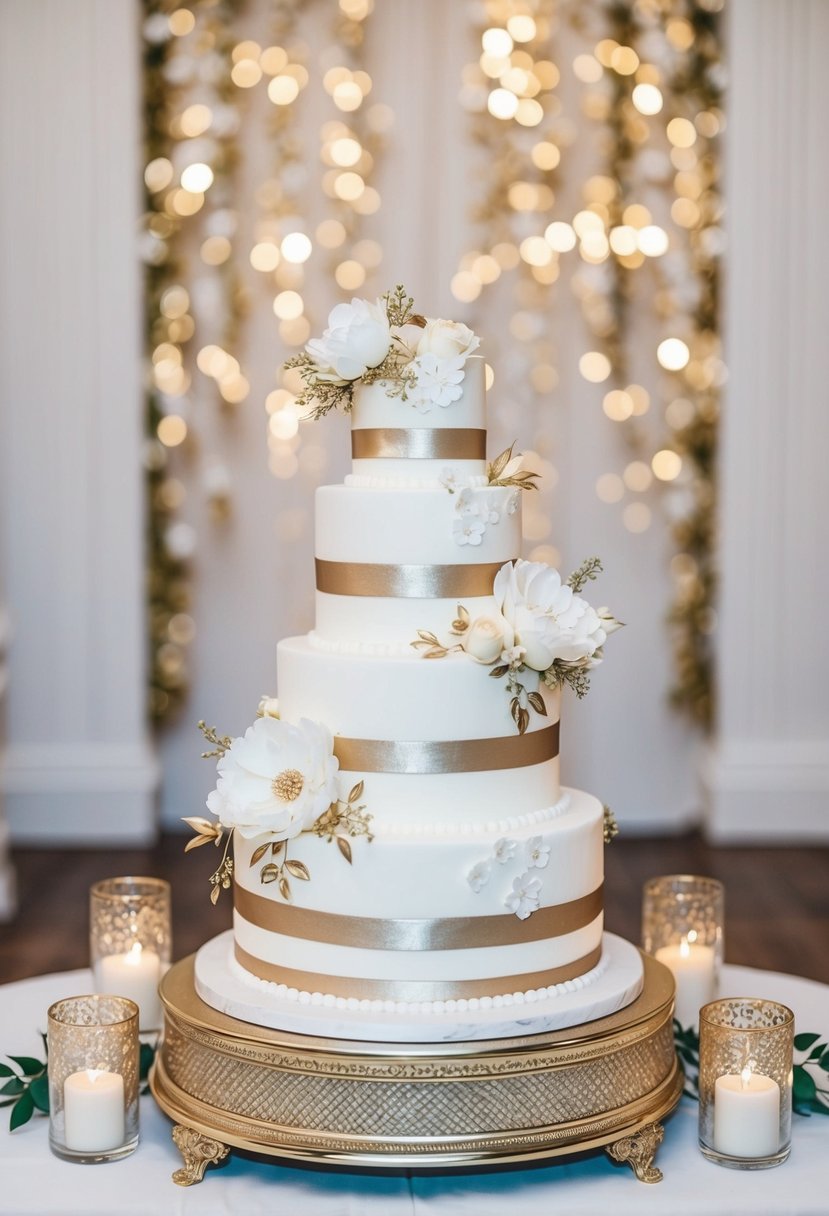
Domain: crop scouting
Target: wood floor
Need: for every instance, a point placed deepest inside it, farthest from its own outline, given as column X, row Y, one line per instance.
column 777, row 900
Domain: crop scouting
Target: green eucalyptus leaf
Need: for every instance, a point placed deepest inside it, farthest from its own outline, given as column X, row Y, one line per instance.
column 824, row 1062
column 805, row 1089
column 5, row 1071
column 28, row 1065
column 802, row 1042
column 15, row 1086
column 39, row 1089
column 22, row 1111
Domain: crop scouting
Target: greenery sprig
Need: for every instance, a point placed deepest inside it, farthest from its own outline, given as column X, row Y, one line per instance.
column 806, row 1098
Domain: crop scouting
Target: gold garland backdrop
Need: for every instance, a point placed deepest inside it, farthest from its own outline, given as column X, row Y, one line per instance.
column 644, row 239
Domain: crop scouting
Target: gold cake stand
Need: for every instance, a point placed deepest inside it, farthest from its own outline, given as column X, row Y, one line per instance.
column 227, row 1083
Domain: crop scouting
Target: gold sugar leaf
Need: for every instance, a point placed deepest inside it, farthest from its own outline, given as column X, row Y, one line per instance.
column 436, row 652
column 426, row 636
column 298, row 869
column 498, row 672
column 259, row 853
column 270, row 873
column 285, row 888
column 345, row 848
column 277, row 847
column 197, row 841
column 500, row 463
column 356, row 792
column 214, row 894
column 515, row 710
column 537, row 702
column 523, row 720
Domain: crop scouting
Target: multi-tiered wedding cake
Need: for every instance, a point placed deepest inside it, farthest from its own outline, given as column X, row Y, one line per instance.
column 405, row 855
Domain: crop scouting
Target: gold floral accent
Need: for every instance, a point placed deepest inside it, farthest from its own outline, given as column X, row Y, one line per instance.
column 610, row 828
column 288, row 784
column 505, row 470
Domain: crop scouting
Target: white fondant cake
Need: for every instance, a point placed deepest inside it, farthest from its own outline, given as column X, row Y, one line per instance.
column 451, row 870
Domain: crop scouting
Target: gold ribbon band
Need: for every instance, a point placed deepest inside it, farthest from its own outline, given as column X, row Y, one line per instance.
column 418, row 443
column 449, row 756
column 406, row 582
column 440, row 933
column 414, row 990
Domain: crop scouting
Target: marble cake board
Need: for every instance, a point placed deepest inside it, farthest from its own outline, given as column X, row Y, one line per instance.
column 335, row 1102
column 220, row 985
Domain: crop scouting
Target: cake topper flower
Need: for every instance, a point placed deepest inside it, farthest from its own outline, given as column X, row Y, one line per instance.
column 367, row 341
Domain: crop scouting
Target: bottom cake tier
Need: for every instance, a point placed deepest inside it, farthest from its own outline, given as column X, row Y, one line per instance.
column 442, row 920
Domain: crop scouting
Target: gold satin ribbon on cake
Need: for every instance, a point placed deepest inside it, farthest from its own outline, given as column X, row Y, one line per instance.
column 405, row 582
column 438, row 933
column 414, row 990
column 418, row 443
column 449, row 756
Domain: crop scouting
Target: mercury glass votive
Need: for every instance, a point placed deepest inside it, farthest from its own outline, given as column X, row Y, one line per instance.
column 130, row 941
column 93, row 1078
column 682, row 927
column 745, row 1082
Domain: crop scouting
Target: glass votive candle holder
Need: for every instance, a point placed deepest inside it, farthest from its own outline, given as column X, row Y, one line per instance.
column 745, row 1082
column 93, row 1078
column 130, row 941
column 682, row 927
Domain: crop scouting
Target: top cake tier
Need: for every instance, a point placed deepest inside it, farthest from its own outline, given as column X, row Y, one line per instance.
column 394, row 443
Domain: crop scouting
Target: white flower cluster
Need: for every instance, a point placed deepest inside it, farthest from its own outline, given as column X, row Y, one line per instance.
column 278, row 778
column 540, row 619
column 359, row 337
column 474, row 509
column 523, row 897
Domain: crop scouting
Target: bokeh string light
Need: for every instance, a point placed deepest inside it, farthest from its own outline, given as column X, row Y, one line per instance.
column 190, row 126
column 645, row 237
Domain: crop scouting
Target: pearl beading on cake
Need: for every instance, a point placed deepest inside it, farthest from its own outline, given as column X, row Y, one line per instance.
column 383, row 649
column 457, row 831
column 428, row 1008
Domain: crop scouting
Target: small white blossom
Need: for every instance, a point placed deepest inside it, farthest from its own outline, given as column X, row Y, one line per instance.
column 437, row 381
column 449, row 479
column 491, row 517
column 538, row 853
column 513, row 502
column 478, row 876
column 268, row 707
column 503, row 850
column 468, row 503
column 467, row 530
column 523, row 898
column 514, row 655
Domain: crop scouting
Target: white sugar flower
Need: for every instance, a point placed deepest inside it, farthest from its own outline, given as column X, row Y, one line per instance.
column 491, row 516
column 523, row 898
column 538, row 853
column 358, row 337
column 268, row 707
column 514, row 655
column 485, row 638
column 513, row 502
column 503, row 850
column 468, row 530
column 449, row 479
column 437, row 381
column 478, row 876
column 447, row 339
column 468, row 503
column 277, row 779
column 550, row 621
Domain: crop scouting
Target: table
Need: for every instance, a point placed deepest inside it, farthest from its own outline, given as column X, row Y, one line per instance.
column 33, row 1182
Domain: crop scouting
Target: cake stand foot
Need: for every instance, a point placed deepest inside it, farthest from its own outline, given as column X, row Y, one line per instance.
column 639, row 1151
column 198, row 1152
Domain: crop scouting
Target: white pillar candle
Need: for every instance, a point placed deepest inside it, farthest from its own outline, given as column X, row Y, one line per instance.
column 694, row 968
column 746, row 1115
column 93, row 1111
column 136, row 975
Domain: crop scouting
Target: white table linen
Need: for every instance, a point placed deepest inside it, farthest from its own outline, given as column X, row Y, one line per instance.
column 33, row 1182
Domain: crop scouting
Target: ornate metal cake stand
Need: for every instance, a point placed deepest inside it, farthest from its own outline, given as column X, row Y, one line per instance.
column 227, row 1083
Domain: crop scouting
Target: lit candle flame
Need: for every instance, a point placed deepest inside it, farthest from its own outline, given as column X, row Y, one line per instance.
column 745, row 1076
column 684, row 948
column 133, row 955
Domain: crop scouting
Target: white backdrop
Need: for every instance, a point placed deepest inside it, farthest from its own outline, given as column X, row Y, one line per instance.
column 77, row 766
